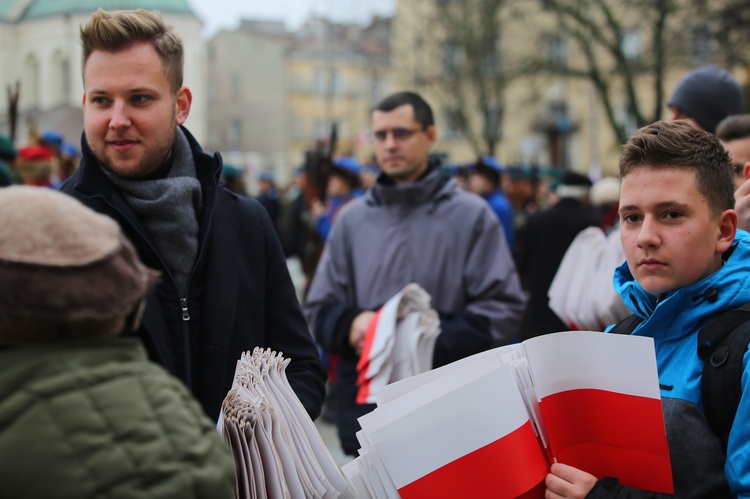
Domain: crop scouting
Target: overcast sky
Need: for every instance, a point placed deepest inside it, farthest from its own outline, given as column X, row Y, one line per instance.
column 218, row 14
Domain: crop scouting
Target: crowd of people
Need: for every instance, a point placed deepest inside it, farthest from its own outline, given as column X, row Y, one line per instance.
column 147, row 251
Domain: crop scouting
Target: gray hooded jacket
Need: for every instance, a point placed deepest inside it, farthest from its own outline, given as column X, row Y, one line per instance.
column 432, row 233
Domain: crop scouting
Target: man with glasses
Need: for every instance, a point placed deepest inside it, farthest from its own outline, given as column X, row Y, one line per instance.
column 414, row 226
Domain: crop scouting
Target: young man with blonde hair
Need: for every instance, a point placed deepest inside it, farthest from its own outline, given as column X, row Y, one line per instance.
column 686, row 264
column 225, row 287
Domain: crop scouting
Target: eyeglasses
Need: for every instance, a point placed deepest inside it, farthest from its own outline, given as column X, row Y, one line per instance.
column 399, row 134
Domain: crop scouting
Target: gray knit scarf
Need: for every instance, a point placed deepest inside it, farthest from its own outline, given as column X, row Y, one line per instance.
column 169, row 208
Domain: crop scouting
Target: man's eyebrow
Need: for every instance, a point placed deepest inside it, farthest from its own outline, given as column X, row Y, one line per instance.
column 136, row 90
column 662, row 205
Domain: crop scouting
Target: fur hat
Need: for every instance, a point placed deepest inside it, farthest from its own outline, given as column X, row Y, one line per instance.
column 708, row 95
column 65, row 271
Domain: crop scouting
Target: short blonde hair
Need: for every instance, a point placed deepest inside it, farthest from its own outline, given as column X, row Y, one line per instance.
column 116, row 30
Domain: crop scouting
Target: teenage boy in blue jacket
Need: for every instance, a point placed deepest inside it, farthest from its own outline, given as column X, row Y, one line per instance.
column 686, row 264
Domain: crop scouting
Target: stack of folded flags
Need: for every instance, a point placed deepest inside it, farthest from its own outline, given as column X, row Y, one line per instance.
column 278, row 451
column 399, row 342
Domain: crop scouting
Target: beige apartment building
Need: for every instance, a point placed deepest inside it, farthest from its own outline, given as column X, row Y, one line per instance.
column 547, row 119
column 274, row 95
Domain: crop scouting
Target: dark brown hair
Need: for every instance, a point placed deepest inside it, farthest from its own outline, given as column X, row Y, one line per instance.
column 680, row 144
column 116, row 30
column 734, row 127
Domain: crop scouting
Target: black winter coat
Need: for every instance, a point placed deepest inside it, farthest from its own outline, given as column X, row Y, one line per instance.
column 240, row 294
column 545, row 240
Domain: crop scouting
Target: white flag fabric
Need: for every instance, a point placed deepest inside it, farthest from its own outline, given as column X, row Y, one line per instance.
column 399, row 343
column 582, row 293
column 278, row 451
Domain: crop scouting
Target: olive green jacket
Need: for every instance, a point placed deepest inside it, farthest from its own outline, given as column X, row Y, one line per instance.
column 94, row 418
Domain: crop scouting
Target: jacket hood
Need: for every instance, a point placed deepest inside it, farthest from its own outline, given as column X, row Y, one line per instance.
column 725, row 289
column 434, row 186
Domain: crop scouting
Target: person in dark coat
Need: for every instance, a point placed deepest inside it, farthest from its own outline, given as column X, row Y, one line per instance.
column 225, row 286
column 547, row 236
column 268, row 196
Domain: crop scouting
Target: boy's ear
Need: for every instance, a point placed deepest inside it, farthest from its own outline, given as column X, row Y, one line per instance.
column 728, row 221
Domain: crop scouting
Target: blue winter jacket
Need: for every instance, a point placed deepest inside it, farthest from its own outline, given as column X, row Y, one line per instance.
column 504, row 211
column 699, row 466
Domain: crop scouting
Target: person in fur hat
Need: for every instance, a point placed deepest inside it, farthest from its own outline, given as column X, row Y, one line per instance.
column 83, row 413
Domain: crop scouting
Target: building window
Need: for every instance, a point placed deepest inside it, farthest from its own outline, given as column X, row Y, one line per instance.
column 701, row 44
column 30, row 83
column 234, row 133
column 491, row 61
column 59, row 67
column 319, row 82
column 452, row 59
column 453, row 122
column 337, row 82
column 376, row 84
column 555, row 50
column 632, row 44
column 235, row 86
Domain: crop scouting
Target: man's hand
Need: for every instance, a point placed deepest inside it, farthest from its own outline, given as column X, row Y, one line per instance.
column 742, row 205
column 569, row 482
column 358, row 330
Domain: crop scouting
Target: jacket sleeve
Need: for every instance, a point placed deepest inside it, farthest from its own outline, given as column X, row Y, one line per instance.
column 611, row 488
column 491, row 283
column 327, row 309
column 461, row 335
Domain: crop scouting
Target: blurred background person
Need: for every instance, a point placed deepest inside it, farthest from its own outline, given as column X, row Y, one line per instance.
column 343, row 186
column 486, row 180
column 268, row 196
column 605, row 199
column 68, row 162
column 8, row 155
column 234, row 179
column 547, row 235
column 705, row 96
column 734, row 134
column 35, row 165
column 369, row 176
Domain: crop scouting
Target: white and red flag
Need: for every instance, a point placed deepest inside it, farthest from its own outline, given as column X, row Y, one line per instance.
column 490, row 425
column 399, row 342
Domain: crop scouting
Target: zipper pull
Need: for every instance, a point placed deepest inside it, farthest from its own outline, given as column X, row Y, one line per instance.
column 185, row 313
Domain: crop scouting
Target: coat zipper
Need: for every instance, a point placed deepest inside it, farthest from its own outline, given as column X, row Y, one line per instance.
column 186, row 343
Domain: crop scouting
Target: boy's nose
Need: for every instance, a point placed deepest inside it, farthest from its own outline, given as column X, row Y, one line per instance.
column 648, row 236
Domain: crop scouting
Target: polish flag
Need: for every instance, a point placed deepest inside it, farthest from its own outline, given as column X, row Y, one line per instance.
column 399, row 342
column 601, row 406
column 470, row 437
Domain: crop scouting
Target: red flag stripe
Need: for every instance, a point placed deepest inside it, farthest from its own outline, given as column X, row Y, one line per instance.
column 509, row 467
column 364, row 359
column 622, row 435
